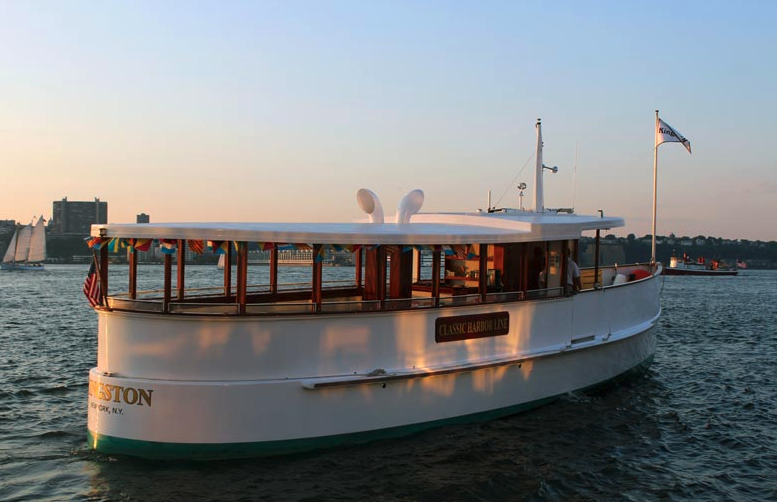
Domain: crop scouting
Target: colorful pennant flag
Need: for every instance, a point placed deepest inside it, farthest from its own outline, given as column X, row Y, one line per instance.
column 95, row 242
column 196, row 246
column 116, row 244
column 168, row 246
column 141, row 244
column 219, row 247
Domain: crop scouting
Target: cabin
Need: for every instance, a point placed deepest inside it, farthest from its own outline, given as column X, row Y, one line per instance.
column 385, row 277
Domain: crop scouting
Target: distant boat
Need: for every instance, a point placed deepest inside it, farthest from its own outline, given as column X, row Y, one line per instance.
column 741, row 264
column 220, row 264
column 686, row 266
column 27, row 249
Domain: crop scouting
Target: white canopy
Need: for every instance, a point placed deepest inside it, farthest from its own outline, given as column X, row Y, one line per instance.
column 423, row 229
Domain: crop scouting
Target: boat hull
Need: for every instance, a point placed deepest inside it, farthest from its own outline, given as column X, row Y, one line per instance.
column 229, row 387
column 21, row 266
column 211, row 420
column 686, row 271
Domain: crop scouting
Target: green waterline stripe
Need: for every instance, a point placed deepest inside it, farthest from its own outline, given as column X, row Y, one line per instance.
column 156, row 450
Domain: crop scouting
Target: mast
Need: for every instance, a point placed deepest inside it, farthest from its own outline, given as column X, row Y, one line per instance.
column 655, row 187
column 539, row 203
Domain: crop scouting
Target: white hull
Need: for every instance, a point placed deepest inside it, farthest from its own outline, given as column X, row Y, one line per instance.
column 22, row 266
column 225, row 386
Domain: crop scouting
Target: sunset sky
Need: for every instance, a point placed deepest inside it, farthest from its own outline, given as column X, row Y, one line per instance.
column 265, row 111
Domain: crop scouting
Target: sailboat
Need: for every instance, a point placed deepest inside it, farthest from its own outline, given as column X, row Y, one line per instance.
column 27, row 249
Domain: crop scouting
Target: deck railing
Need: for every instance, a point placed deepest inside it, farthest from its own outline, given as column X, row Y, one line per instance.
column 212, row 301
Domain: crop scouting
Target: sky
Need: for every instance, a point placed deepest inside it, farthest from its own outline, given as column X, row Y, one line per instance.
column 282, row 110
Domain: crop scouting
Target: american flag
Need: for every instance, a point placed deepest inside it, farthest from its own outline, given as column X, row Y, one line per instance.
column 92, row 287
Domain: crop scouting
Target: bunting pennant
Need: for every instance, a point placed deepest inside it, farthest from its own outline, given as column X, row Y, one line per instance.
column 133, row 244
column 321, row 254
column 285, row 247
column 168, row 246
column 219, row 247
column 95, row 242
column 141, row 244
column 196, row 246
column 265, row 246
column 116, row 244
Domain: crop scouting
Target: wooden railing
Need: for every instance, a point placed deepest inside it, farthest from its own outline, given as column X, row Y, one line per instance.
column 295, row 299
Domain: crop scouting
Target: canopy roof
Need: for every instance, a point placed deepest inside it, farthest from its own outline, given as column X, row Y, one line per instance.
column 423, row 229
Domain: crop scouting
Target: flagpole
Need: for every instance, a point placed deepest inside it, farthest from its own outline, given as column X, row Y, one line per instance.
column 655, row 188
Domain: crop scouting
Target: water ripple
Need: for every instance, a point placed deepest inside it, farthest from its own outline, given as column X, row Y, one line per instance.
column 699, row 425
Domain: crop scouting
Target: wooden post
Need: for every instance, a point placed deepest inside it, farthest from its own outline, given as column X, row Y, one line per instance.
column 228, row 271
column 596, row 260
column 381, row 276
column 418, row 264
column 168, row 283
column 316, row 296
column 104, row 273
column 358, row 265
column 565, row 268
column 483, row 272
column 133, row 274
column 274, row 269
column 242, row 276
column 401, row 274
column 181, row 268
column 436, row 259
column 371, row 290
column 525, row 255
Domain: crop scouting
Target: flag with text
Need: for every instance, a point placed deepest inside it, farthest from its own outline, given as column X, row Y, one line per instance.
column 666, row 133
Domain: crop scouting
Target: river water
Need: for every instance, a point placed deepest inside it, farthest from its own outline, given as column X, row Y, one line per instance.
column 700, row 424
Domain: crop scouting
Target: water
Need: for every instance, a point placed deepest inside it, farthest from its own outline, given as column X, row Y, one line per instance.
column 700, row 424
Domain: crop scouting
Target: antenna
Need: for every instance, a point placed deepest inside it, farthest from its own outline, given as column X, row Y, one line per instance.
column 574, row 184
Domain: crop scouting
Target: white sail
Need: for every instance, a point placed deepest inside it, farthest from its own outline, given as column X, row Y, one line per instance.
column 220, row 265
column 38, row 242
column 23, row 239
column 11, row 251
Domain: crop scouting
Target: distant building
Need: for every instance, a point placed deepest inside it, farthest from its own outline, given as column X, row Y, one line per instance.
column 77, row 217
column 142, row 218
column 7, row 227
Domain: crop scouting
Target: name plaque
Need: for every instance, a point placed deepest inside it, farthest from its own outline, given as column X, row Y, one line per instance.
column 464, row 327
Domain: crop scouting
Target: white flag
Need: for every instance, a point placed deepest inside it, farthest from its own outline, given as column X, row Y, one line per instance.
column 666, row 133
